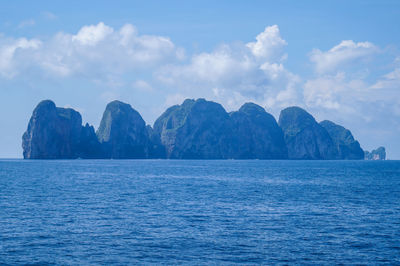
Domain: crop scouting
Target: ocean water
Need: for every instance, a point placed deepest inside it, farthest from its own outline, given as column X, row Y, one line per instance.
column 199, row 212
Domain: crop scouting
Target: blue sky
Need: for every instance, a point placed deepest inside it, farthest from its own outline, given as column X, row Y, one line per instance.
column 338, row 60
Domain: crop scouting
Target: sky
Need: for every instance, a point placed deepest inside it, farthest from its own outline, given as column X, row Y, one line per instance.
column 340, row 60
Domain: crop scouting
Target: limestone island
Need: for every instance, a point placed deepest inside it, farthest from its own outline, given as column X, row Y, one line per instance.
column 196, row 129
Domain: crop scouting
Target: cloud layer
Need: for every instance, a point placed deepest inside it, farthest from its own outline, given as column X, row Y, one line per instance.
column 93, row 51
column 234, row 73
column 344, row 53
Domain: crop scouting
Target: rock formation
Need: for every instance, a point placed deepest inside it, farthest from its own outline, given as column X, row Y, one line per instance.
column 157, row 149
column 304, row 137
column 378, row 154
column 123, row 133
column 197, row 129
column 56, row 133
column 347, row 147
column 89, row 146
column 256, row 134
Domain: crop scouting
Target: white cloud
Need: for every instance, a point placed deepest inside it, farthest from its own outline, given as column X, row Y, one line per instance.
column 345, row 52
column 94, row 52
column 10, row 54
column 91, row 35
column 233, row 74
column 351, row 93
column 350, row 100
column 372, row 114
column 326, row 92
column 269, row 44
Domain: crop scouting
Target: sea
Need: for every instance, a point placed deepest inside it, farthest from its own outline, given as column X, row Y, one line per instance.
column 202, row 212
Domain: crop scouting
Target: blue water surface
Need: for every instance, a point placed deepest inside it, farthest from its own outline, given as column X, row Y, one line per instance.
column 199, row 212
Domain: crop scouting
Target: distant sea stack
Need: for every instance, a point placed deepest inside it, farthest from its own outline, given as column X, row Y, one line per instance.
column 378, row 154
column 196, row 129
column 123, row 133
column 57, row 133
column 256, row 134
column 305, row 138
column 347, row 147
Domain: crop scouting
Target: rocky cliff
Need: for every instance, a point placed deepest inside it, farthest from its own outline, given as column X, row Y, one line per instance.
column 123, row 133
column 197, row 129
column 57, row 133
column 304, row 137
column 347, row 147
column 256, row 134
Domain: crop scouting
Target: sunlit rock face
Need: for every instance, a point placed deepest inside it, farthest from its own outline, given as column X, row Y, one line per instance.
column 347, row 147
column 123, row 133
column 57, row 133
column 305, row 138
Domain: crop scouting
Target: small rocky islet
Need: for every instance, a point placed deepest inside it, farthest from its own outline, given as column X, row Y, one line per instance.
column 196, row 129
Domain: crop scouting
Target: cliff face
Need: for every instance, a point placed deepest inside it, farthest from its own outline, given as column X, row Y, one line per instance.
column 56, row 133
column 123, row 133
column 195, row 130
column 256, row 134
column 347, row 147
column 378, row 154
column 89, row 146
column 203, row 130
column 304, row 137
column 157, row 149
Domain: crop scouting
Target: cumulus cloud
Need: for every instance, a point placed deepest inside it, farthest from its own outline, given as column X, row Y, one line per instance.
column 12, row 53
column 100, row 48
column 349, row 94
column 269, row 44
column 94, row 51
column 236, row 73
column 345, row 52
column 93, row 34
column 365, row 106
column 355, row 96
column 336, row 92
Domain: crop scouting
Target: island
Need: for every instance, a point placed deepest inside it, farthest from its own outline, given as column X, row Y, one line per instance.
column 196, row 129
